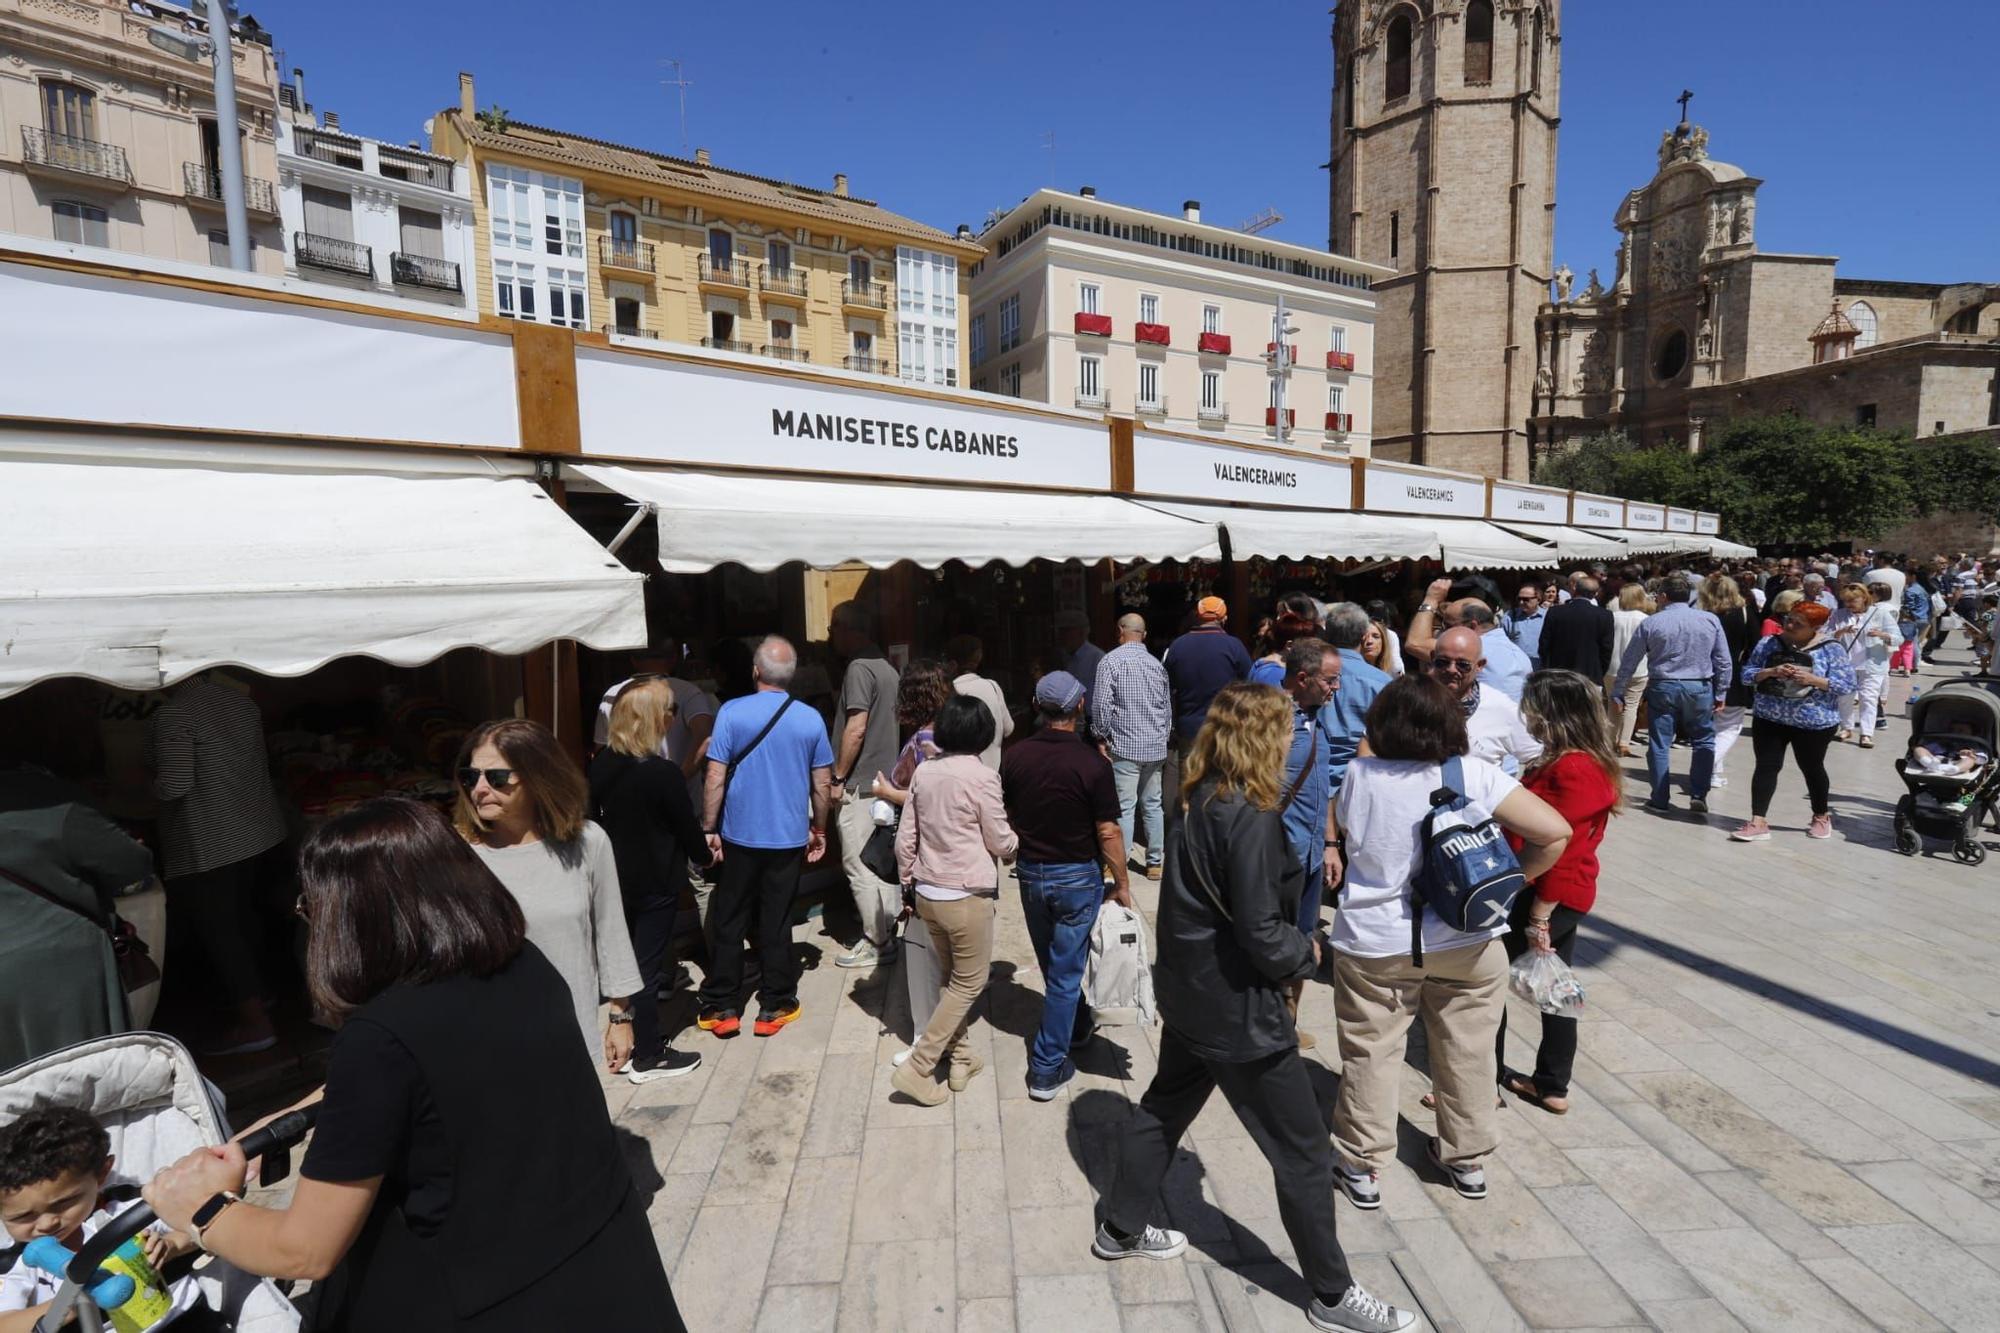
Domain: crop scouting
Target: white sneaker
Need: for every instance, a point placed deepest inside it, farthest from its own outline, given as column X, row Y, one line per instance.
column 1152, row 1243
column 1358, row 1312
column 864, row 954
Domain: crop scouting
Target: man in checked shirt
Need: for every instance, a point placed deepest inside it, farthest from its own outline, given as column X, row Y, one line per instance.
column 1131, row 716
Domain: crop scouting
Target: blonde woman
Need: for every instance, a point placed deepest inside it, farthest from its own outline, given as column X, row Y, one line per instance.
column 1721, row 597
column 522, row 804
column 1375, row 650
column 640, row 800
column 1634, row 605
column 1230, row 949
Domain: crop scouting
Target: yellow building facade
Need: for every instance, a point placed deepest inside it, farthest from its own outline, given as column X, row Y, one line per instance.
column 620, row 241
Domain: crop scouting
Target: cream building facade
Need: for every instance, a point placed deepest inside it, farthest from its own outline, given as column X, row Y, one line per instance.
column 109, row 141
column 629, row 243
column 1095, row 305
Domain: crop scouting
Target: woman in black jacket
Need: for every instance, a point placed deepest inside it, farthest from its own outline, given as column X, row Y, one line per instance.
column 640, row 799
column 1230, row 948
column 1721, row 597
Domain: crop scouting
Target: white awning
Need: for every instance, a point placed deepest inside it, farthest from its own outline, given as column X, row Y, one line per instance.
column 1471, row 543
column 1303, row 534
column 1640, row 543
column 140, row 574
column 706, row 519
column 1728, row 549
column 1573, row 543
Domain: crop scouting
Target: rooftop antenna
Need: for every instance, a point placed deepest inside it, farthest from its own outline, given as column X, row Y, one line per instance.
column 681, row 86
column 1049, row 142
column 1263, row 222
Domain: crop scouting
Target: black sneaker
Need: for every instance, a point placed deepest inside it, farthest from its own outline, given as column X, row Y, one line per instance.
column 1698, row 804
column 1152, row 1243
column 669, row 1063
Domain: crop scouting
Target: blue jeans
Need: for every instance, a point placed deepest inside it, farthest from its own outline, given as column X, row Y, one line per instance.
column 1686, row 706
column 1060, row 900
column 1138, row 783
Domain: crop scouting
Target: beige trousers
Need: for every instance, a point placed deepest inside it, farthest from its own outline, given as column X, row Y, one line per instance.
column 1460, row 994
column 1627, row 718
column 962, row 936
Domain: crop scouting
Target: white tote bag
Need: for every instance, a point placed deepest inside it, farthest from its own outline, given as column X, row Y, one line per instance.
column 1118, row 973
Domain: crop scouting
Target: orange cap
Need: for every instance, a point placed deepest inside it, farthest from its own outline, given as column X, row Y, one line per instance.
column 1212, row 608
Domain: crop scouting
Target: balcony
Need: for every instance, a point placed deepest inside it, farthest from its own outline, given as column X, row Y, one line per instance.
column 1157, row 334
column 1215, row 343
column 728, row 345
column 1093, row 326
column 1291, row 350
column 631, row 256
column 629, row 331
column 784, row 352
column 1090, row 400
column 407, row 270
column 867, row 365
column 864, row 295
column 204, row 188
column 784, row 284
column 1340, row 422
column 1291, row 417
column 1340, row 360
column 733, row 274
column 322, row 146
column 333, row 254
column 71, row 158
column 407, row 164
column 1158, row 409
column 1216, row 413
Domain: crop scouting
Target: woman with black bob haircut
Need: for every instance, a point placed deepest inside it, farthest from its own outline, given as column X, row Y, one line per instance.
column 418, row 1206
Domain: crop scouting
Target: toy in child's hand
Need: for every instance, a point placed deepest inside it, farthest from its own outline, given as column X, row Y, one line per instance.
column 110, row 1291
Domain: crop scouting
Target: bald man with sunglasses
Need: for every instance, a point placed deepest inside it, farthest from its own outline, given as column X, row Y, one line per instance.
column 1492, row 720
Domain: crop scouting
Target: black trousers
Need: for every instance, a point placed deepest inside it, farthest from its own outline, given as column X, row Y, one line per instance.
column 1274, row 1099
column 1555, row 1057
column 650, row 920
column 765, row 880
column 224, row 914
column 1770, row 740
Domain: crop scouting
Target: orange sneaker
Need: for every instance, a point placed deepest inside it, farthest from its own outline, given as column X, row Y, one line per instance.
column 768, row 1021
column 722, row 1022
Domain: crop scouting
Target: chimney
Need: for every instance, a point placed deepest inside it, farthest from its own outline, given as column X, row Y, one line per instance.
column 467, row 104
column 333, row 120
column 964, row 231
column 701, row 156
column 299, row 90
column 1088, row 191
column 1191, row 210
column 840, row 184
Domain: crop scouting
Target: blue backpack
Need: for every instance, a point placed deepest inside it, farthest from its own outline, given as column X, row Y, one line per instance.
column 1469, row 876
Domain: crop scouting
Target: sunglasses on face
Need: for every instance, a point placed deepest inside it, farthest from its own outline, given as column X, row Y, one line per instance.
column 499, row 779
column 1451, row 666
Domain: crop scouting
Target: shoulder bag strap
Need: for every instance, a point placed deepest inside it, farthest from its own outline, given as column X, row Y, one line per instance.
column 51, row 898
column 1305, row 769
column 729, row 771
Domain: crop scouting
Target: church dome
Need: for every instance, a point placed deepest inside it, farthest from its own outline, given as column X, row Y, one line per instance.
column 1835, row 337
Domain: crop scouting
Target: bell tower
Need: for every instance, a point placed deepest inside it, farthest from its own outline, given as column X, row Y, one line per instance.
column 1443, row 168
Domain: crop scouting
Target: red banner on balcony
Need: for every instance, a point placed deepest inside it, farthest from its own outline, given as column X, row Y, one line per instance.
column 1214, row 342
column 1097, row 326
column 1341, row 421
column 1340, row 360
column 1159, row 334
column 1271, row 350
column 1271, row 416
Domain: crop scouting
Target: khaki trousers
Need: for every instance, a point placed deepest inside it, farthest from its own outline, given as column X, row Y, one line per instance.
column 1460, row 994
column 962, row 936
column 1627, row 718
column 877, row 902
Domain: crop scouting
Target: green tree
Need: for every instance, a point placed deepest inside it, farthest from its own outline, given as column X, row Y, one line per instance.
column 1613, row 464
column 1784, row 479
column 1954, row 475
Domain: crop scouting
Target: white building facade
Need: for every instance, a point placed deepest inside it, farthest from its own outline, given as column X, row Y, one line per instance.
column 367, row 215
column 1089, row 304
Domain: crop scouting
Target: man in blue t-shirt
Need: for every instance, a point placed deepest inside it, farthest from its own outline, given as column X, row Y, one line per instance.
column 770, row 782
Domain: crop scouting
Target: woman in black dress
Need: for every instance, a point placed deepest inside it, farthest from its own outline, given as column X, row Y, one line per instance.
column 1722, row 598
column 464, row 1173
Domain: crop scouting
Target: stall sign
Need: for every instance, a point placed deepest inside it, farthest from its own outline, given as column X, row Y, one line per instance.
column 1708, row 525
column 1196, row 470
column 680, row 411
column 1530, row 504
column 1397, row 490
column 1680, row 520
column 1645, row 518
column 1598, row 511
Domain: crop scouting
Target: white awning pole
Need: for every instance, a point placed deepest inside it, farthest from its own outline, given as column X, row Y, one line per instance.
column 645, row 511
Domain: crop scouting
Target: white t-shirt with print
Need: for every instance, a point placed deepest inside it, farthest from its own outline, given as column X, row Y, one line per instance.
column 1382, row 805
column 23, row 1286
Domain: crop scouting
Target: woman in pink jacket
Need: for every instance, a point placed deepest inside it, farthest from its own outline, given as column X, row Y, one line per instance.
column 954, row 824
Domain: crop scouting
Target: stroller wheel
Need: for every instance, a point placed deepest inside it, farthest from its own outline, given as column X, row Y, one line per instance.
column 1968, row 850
column 1907, row 841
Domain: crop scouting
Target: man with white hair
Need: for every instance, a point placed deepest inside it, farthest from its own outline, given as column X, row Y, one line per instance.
column 769, row 787
column 1814, row 587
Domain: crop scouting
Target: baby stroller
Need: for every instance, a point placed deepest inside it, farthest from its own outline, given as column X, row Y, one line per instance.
column 145, row 1090
column 1965, row 714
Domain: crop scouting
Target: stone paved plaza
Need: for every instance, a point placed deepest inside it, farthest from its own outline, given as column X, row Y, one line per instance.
column 1787, row 1117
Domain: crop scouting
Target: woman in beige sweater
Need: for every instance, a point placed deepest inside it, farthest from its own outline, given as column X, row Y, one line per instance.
column 954, row 824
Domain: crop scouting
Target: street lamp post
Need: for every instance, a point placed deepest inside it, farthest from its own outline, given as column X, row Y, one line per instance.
column 229, row 140
column 1281, row 367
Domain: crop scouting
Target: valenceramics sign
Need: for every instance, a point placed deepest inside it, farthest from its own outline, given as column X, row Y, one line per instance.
column 1645, row 518
column 683, row 412
column 1530, row 504
column 1395, row 490
column 1215, row 473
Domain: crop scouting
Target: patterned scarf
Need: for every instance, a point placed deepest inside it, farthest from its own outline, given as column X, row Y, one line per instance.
column 1470, row 703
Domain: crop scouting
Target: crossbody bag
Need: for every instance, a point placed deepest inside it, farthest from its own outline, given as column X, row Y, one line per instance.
column 136, row 968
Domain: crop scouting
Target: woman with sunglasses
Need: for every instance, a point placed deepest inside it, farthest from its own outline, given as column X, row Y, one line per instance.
column 522, row 804
column 1799, row 677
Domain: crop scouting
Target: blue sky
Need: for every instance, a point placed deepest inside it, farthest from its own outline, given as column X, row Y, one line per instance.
column 1876, row 143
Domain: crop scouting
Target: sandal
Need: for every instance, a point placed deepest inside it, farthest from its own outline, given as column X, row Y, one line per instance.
column 1524, row 1087
column 1430, row 1102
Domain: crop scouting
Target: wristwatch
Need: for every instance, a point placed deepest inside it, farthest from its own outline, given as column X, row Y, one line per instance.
column 205, row 1215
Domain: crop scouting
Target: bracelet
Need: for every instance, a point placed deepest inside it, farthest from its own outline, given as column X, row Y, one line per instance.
column 618, row 1017
column 1538, row 923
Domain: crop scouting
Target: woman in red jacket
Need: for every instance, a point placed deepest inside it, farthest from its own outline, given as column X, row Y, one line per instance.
column 1578, row 774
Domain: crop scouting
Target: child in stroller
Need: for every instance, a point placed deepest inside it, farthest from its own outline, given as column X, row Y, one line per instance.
column 1952, row 781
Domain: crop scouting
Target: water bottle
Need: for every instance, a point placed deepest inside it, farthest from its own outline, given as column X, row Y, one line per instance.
column 1910, row 704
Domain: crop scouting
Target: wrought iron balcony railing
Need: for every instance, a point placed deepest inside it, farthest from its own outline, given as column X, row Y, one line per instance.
column 423, row 271
column 201, row 183
column 334, row 254
column 82, row 157
column 634, row 255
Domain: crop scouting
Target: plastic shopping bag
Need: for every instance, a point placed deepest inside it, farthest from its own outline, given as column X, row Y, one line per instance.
column 1545, row 980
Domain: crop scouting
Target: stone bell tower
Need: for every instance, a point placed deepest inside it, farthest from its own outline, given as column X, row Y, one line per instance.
column 1443, row 168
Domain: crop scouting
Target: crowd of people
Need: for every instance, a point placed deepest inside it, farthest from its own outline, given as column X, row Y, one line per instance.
column 1258, row 786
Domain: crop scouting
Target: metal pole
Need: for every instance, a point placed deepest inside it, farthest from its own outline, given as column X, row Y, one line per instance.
column 228, row 138
column 1280, row 367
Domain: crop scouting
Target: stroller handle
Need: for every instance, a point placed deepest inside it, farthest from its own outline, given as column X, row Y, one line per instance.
column 281, row 1133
